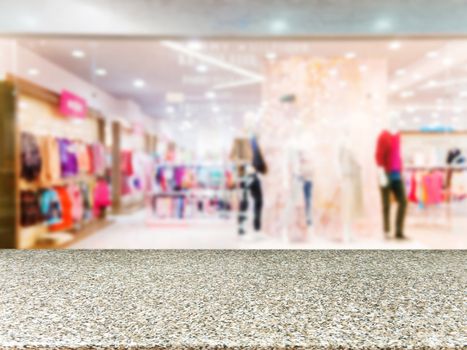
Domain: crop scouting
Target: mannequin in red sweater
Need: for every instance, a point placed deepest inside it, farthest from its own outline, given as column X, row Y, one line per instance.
column 388, row 159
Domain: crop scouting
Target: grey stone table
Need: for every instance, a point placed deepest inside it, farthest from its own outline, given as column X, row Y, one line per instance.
column 232, row 299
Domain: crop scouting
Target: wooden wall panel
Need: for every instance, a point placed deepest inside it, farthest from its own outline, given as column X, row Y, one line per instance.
column 8, row 191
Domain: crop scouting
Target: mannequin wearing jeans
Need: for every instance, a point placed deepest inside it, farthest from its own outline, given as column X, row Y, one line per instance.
column 250, row 184
column 396, row 187
column 388, row 159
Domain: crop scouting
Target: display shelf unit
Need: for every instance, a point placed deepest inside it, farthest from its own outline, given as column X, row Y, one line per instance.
column 28, row 107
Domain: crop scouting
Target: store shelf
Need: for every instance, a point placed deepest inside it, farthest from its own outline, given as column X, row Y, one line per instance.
column 232, row 299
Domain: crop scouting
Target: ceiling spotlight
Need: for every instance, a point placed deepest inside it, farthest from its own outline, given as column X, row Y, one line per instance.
column 350, row 55
column 363, row 68
column 170, row 109
column 400, row 72
column 394, row 45
column 411, row 109
column 416, row 76
column 202, row 68
column 407, row 94
column 432, row 84
column 78, row 54
column 139, row 83
column 394, row 87
column 448, row 61
column 210, row 95
column 195, row 45
column 33, row 71
column 432, row 54
column 101, row 72
column 333, row 72
column 271, row 56
column 216, row 109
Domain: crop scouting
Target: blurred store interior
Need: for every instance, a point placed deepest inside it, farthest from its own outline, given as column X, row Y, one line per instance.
column 301, row 144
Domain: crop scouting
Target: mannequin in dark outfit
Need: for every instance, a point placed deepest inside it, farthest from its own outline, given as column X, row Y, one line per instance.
column 250, row 184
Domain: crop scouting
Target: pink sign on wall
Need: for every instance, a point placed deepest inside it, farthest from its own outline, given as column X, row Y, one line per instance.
column 72, row 105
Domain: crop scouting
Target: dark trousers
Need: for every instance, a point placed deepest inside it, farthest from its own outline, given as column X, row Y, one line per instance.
column 307, row 191
column 397, row 188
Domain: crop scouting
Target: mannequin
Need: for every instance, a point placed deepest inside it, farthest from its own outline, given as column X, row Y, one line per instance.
column 251, row 162
column 352, row 196
column 388, row 159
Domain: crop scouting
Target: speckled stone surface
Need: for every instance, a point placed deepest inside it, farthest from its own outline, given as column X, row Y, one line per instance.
column 233, row 299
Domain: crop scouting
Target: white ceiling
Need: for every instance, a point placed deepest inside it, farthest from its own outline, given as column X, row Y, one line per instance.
column 172, row 67
column 253, row 18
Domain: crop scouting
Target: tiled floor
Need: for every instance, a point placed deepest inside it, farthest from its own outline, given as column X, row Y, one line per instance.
column 133, row 232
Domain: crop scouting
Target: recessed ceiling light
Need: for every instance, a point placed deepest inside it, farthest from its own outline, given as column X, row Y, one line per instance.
column 195, row 45
column 279, row 26
column 271, row 56
column 363, row 68
column 394, row 87
column 407, row 94
column 78, row 53
column 216, row 109
column 210, row 95
column 350, row 55
column 201, row 68
column 333, row 72
column 101, row 72
column 432, row 54
column 33, row 71
column 169, row 109
column 400, row 72
column 410, row 109
column 416, row 76
column 448, row 61
column 139, row 83
column 432, row 83
column 394, row 45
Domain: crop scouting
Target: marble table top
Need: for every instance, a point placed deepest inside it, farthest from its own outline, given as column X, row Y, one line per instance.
column 233, row 299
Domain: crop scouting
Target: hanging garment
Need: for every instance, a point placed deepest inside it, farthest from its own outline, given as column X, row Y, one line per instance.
column 66, row 205
column 31, row 161
column 84, row 161
column 76, row 197
column 413, row 198
column 98, row 158
column 68, row 160
column 50, row 154
column 50, row 206
column 126, row 163
column 87, row 201
column 91, row 158
column 30, row 209
column 258, row 160
column 102, row 198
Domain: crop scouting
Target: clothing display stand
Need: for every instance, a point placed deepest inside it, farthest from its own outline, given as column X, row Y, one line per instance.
column 426, row 154
column 127, row 142
column 29, row 109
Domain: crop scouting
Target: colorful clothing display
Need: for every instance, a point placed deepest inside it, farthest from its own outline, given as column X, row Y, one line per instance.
column 30, row 208
column 31, row 161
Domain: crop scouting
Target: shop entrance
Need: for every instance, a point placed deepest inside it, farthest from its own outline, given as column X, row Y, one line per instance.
column 233, row 143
